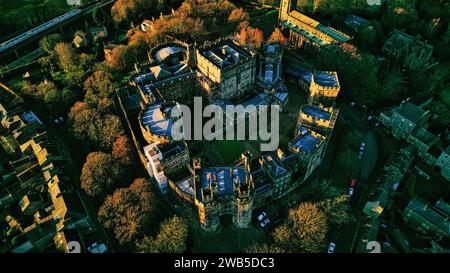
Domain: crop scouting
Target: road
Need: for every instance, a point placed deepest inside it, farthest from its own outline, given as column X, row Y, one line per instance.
column 14, row 43
column 357, row 119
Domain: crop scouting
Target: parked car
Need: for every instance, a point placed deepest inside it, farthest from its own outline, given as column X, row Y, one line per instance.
column 331, row 247
column 261, row 216
column 360, row 155
column 350, row 191
column 353, row 183
column 265, row 222
column 369, row 118
column 377, row 124
column 362, row 146
column 352, row 103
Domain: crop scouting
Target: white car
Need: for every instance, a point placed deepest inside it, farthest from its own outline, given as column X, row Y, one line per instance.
column 360, row 155
column 362, row 146
column 331, row 247
column 265, row 222
column 369, row 118
column 350, row 191
column 261, row 216
column 352, row 103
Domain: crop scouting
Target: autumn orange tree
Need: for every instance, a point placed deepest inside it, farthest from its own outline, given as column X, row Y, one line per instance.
column 238, row 15
column 277, row 37
column 122, row 151
column 100, row 174
column 123, row 57
column 252, row 37
column 127, row 10
column 130, row 212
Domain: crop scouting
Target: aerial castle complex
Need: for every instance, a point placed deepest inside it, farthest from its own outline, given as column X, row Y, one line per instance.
column 224, row 72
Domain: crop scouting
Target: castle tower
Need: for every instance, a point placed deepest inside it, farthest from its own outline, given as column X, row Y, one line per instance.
column 324, row 88
column 207, row 209
column 244, row 203
column 244, row 197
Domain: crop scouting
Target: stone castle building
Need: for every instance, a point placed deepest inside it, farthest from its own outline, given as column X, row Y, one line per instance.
column 316, row 119
column 269, row 75
column 223, row 71
column 229, row 68
column 163, row 161
column 223, row 190
column 305, row 32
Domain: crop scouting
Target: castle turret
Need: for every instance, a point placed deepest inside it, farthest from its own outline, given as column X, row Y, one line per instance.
column 205, row 198
column 243, row 191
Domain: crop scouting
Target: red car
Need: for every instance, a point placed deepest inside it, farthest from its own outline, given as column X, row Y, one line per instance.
column 353, row 183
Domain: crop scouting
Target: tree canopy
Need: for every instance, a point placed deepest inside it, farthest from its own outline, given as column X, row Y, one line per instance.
column 130, row 212
column 98, row 86
column 89, row 124
column 305, row 231
column 171, row 237
column 67, row 57
column 100, row 174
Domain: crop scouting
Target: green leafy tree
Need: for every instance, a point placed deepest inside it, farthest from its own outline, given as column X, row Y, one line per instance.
column 49, row 42
column 98, row 86
column 60, row 101
column 67, row 57
column 263, row 248
column 305, row 231
column 336, row 210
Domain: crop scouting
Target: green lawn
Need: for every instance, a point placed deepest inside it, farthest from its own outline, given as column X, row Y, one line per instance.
column 288, row 118
column 230, row 150
column 266, row 22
